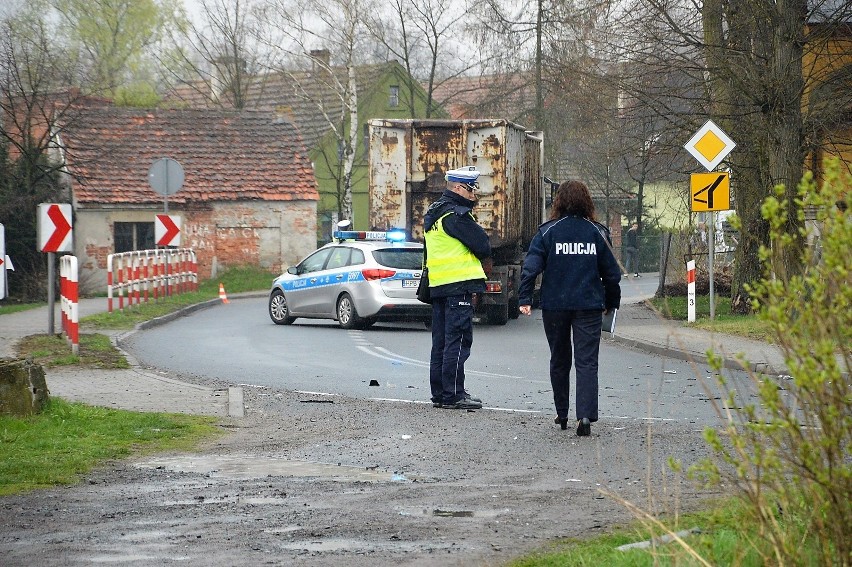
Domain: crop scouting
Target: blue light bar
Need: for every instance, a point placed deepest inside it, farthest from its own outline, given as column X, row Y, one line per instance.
column 396, row 235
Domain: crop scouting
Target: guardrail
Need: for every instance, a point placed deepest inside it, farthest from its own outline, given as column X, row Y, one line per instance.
column 141, row 274
column 69, row 300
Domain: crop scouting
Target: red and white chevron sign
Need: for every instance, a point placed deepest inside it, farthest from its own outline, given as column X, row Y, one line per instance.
column 54, row 227
column 167, row 230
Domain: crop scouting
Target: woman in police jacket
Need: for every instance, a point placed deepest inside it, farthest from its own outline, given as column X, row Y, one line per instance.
column 580, row 281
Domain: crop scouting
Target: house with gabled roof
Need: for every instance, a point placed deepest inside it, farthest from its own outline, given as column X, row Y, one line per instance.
column 510, row 96
column 249, row 194
column 311, row 99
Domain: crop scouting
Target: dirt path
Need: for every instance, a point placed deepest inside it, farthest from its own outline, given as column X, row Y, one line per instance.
column 300, row 481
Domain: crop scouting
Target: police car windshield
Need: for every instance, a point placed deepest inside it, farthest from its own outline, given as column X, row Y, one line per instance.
column 400, row 258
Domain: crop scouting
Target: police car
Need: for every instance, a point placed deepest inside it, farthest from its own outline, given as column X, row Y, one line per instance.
column 358, row 279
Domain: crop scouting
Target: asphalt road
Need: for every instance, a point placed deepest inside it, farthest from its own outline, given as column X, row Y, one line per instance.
column 365, row 483
column 237, row 343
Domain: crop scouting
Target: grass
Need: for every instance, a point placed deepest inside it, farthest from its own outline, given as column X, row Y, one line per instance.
column 95, row 351
column 67, row 440
column 728, row 537
column 749, row 326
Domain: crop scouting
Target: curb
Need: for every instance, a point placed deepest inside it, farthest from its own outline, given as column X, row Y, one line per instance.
column 731, row 363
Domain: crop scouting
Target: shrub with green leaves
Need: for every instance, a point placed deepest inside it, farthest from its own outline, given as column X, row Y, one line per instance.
column 788, row 453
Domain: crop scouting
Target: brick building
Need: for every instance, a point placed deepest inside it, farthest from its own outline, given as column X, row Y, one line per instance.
column 249, row 195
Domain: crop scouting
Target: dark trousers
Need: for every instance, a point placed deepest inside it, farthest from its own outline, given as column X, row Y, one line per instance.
column 631, row 260
column 452, row 336
column 586, row 329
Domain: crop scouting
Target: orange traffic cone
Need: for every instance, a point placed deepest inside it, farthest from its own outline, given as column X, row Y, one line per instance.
column 222, row 295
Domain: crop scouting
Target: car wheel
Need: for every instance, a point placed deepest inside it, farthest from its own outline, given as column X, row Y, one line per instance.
column 278, row 311
column 347, row 315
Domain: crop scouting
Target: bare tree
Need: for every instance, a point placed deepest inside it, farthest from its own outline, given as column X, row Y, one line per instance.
column 223, row 59
column 330, row 36
column 423, row 36
column 34, row 103
column 740, row 63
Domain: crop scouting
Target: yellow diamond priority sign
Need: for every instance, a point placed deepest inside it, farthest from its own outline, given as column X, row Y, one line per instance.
column 710, row 145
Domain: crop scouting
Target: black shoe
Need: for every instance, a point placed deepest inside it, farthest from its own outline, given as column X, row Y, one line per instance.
column 437, row 404
column 636, row 275
column 584, row 427
column 469, row 397
column 464, row 404
column 562, row 421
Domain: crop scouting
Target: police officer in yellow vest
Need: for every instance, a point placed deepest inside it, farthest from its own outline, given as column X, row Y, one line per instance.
column 455, row 248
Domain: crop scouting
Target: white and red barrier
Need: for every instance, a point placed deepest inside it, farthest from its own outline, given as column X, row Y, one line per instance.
column 690, row 291
column 140, row 274
column 69, row 300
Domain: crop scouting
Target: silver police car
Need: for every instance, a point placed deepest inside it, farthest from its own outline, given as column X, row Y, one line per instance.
column 360, row 278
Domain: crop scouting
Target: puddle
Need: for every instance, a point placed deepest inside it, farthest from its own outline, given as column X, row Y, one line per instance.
column 453, row 513
column 246, row 500
column 449, row 513
column 362, row 546
column 245, row 467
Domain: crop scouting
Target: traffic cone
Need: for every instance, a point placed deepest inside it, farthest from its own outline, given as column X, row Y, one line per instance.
column 222, row 295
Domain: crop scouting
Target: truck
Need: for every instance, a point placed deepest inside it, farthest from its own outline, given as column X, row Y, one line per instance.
column 407, row 161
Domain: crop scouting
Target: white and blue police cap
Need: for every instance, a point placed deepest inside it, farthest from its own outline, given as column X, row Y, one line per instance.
column 467, row 175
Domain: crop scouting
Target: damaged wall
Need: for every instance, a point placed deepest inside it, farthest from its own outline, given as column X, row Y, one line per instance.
column 271, row 235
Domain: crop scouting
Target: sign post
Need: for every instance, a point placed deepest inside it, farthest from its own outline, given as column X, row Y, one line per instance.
column 690, row 291
column 166, row 178
column 710, row 191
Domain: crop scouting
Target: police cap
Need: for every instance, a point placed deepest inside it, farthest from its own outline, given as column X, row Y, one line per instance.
column 467, row 175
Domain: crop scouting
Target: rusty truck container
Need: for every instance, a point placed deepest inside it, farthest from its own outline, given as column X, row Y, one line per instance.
column 407, row 163
column 408, row 160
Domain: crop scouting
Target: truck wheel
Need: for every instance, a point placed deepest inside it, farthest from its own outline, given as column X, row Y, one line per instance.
column 514, row 307
column 498, row 314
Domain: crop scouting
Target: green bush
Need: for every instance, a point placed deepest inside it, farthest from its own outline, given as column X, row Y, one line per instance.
column 787, row 454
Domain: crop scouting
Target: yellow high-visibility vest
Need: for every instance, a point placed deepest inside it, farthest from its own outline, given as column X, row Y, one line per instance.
column 449, row 261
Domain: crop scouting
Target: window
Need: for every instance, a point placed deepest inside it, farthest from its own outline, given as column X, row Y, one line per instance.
column 394, row 96
column 366, row 135
column 400, row 258
column 129, row 236
column 314, row 262
column 339, row 258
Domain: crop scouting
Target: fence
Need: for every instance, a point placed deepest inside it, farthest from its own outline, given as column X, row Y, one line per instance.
column 141, row 274
column 69, row 300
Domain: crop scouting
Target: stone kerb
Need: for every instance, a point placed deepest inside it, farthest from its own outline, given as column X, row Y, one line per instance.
column 23, row 389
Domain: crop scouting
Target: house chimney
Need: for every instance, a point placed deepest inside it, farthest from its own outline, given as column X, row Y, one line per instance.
column 321, row 59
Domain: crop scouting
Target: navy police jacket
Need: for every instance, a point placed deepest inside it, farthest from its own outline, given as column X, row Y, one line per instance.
column 579, row 270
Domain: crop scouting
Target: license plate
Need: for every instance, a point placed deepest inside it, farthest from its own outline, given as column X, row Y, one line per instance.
column 410, row 283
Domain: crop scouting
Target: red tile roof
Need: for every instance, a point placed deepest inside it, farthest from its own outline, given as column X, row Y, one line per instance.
column 509, row 96
column 225, row 155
